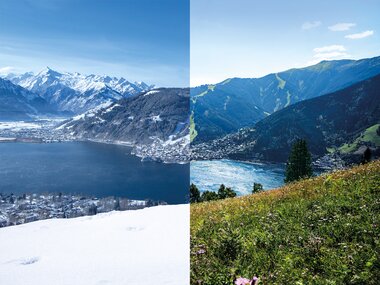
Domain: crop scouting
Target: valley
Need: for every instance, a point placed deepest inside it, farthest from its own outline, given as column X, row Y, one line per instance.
column 337, row 126
column 61, row 106
column 333, row 105
column 89, row 138
column 224, row 108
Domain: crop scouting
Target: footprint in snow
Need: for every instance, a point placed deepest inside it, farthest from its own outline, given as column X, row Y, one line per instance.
column 134, row 229
column 24, row 261
column 28, row 261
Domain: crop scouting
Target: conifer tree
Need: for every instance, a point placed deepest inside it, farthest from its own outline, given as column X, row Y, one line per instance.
column 195, row 195
column 209, row 196
column 366, row 155
column 299, row 162
column 225, row 192
column 257, row 187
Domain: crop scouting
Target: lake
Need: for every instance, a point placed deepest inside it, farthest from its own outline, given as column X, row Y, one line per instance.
column 90, row 169
column 240, row 176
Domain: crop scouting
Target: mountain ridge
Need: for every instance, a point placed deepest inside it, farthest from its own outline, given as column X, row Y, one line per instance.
column 75, row 92
column 240, row 102
column 18, row 103
column 155, row 122
column 327, row 121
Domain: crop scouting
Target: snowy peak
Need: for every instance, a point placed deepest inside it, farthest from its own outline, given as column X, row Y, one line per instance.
column 76, row 92
column 49, row 72
column 79, row 82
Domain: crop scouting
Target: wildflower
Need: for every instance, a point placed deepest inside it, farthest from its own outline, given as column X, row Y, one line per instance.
column 201, row 251
column 255, row 280
column 246, row 281
column 242, row 281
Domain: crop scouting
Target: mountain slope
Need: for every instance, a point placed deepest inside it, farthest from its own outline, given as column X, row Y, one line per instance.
column 217, row 112
column 322, row 230
column 17, row 103
column 158, row 117
column 75, row 92
column 325, row 122
column 239, row 102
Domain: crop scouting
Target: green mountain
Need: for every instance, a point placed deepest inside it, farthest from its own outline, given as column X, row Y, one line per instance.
column 240, row 102
column 342, row 121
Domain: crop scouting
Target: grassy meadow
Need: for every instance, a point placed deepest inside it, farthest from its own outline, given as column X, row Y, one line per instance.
column 323, row 230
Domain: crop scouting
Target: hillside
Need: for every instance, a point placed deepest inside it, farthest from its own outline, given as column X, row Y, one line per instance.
column 149, row 246
column 323, row 230
column 240, row 102
column 327, row 122
column 158, row 118
column 18, row 103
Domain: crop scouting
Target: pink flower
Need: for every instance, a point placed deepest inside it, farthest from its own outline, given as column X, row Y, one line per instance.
column 201, row 251
column 245, row 281
column 242, row 281
column 255, row 280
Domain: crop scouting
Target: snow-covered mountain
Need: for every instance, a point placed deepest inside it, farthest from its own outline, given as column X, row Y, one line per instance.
column 18, row 103
column 75, row 92
column 155, row 122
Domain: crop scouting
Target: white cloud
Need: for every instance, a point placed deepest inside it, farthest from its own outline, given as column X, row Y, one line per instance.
column 359, row 35
column 341, row 27
column 338, row 48
column 331, row 52
column 310, row 25
column 6, row 70
column 330, row 55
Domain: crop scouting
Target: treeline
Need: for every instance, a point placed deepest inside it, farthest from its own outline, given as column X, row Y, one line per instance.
column 298, row 166
column 224, row 192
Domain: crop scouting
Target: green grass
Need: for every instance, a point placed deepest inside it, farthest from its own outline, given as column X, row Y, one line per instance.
column 193, row 131
column 281, row 82
column 202, row 94
column 369, row 135
column 211, row 87
column 288, row 98
column 323, row 230
column 330, row 149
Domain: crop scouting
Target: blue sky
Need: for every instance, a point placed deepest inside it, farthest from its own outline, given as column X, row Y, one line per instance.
column 250, row 38
column 141, row 40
